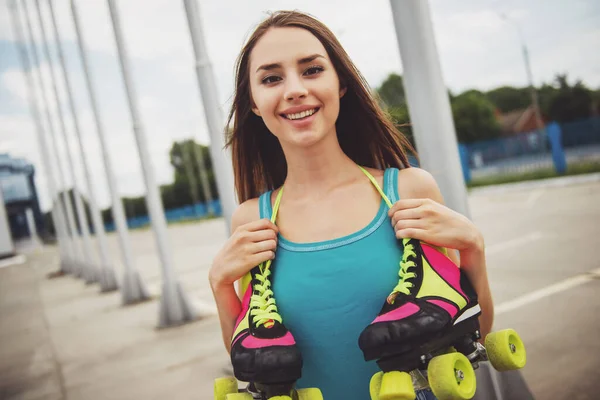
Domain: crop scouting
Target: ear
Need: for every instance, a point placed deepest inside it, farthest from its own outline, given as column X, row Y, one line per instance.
column 254, row 108
column 343, row 91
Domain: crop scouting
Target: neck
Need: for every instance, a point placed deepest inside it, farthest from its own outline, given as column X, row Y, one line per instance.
column 313, row 172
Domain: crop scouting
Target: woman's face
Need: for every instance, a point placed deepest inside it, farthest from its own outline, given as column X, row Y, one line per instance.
column 294, row 86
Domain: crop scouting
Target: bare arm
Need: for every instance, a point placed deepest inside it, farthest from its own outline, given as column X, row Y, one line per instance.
column 474, row 265
column 229, row 307
column 252, row 241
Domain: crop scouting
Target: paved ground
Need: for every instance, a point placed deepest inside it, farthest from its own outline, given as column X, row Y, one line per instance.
column 61, row 339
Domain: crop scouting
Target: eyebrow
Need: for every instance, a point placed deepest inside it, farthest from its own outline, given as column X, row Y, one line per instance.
column 303, row 60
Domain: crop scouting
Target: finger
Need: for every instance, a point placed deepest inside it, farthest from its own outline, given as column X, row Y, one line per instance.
column 263, row 246
column 260, row 225
column 409, row 224
column 410, row 213
column 405, row 204
column 258, row 258
column 412, row 233
column 259, row 236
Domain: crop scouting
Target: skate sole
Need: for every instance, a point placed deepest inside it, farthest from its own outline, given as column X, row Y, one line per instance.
column 269, row 377
column 411, row 357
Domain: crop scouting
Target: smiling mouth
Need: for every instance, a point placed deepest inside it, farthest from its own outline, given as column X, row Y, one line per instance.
column 300, row 115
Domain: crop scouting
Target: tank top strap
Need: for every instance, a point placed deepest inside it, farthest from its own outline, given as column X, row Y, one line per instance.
column 264, row 205
column 390, row 184
column 390, row 188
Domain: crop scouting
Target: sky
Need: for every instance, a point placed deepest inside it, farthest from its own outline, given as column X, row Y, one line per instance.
column 477, row 49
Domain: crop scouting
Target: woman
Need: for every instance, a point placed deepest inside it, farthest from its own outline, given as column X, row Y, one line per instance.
column 304, row 119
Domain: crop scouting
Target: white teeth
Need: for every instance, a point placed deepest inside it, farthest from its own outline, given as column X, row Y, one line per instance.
column 302, row 114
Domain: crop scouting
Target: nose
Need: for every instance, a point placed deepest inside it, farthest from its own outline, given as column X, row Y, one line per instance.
column 294, row 88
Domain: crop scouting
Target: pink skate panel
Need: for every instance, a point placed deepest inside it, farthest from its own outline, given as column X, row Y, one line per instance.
column 244, row 332
column 401, row 312
column 446, row 306
column 444, row 267
column 245, row 305
column 251, row 342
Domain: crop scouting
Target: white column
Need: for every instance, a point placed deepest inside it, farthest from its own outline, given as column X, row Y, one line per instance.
column 106, row 272
column 175, row 307
column 132, row 288
column 90, row 271
column 75, row 263
column 57, row 219
column 206, row 80
column 428, row 102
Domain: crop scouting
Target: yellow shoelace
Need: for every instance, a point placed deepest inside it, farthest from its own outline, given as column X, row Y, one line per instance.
column 403, row 285
column 262, row 303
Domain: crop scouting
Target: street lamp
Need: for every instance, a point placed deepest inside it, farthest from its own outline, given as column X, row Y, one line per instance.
column 533, row 91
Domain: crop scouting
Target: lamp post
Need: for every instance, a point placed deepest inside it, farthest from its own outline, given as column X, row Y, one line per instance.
column 534, row 97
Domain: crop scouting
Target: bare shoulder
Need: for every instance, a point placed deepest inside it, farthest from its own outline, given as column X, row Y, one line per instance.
column 245, row 213
column 416, row 183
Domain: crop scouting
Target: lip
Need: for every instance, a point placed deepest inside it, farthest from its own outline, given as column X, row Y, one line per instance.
column 297, row 109
column 302, row 123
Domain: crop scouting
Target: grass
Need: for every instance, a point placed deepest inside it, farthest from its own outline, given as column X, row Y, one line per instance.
column 545, row 173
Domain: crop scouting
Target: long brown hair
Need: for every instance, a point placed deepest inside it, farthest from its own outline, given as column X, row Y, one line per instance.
column 364, row 131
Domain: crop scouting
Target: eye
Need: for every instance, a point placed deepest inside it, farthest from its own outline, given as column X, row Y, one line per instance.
column 314, row 70
column 270, row 79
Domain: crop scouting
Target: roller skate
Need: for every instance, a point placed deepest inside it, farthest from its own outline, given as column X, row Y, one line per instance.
column 263, row 350
column 426, row 334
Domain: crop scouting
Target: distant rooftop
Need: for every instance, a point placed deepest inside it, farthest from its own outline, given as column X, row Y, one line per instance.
column 9, row 164
column 14, row 179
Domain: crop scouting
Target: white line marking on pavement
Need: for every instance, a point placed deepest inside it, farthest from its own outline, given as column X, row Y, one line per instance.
column 20, row 259
column 533, row 198
column 547, row 291
column 498, row 247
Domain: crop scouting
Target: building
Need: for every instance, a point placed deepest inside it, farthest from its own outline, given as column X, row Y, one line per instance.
column 20, row 196
column 518, row 121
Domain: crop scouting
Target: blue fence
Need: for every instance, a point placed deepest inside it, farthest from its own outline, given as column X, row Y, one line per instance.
column 557, row 146
column 198, row 210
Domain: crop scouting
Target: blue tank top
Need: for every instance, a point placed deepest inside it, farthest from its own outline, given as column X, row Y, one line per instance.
column 328, row 292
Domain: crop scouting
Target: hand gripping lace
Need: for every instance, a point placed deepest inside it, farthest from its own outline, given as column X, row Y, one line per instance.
column 262, row 303
column 404, row 285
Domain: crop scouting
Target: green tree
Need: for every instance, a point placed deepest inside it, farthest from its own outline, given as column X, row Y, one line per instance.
column 393, row 100
column 135, row 206
column 509, row 98
column 401, row 119
column 546, row 93
column 391, row 91
column 570, row 103
column 596, row 102
column 187, row 185
column 474, row 117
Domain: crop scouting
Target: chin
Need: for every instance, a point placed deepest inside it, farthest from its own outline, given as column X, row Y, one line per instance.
column 306, row 139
